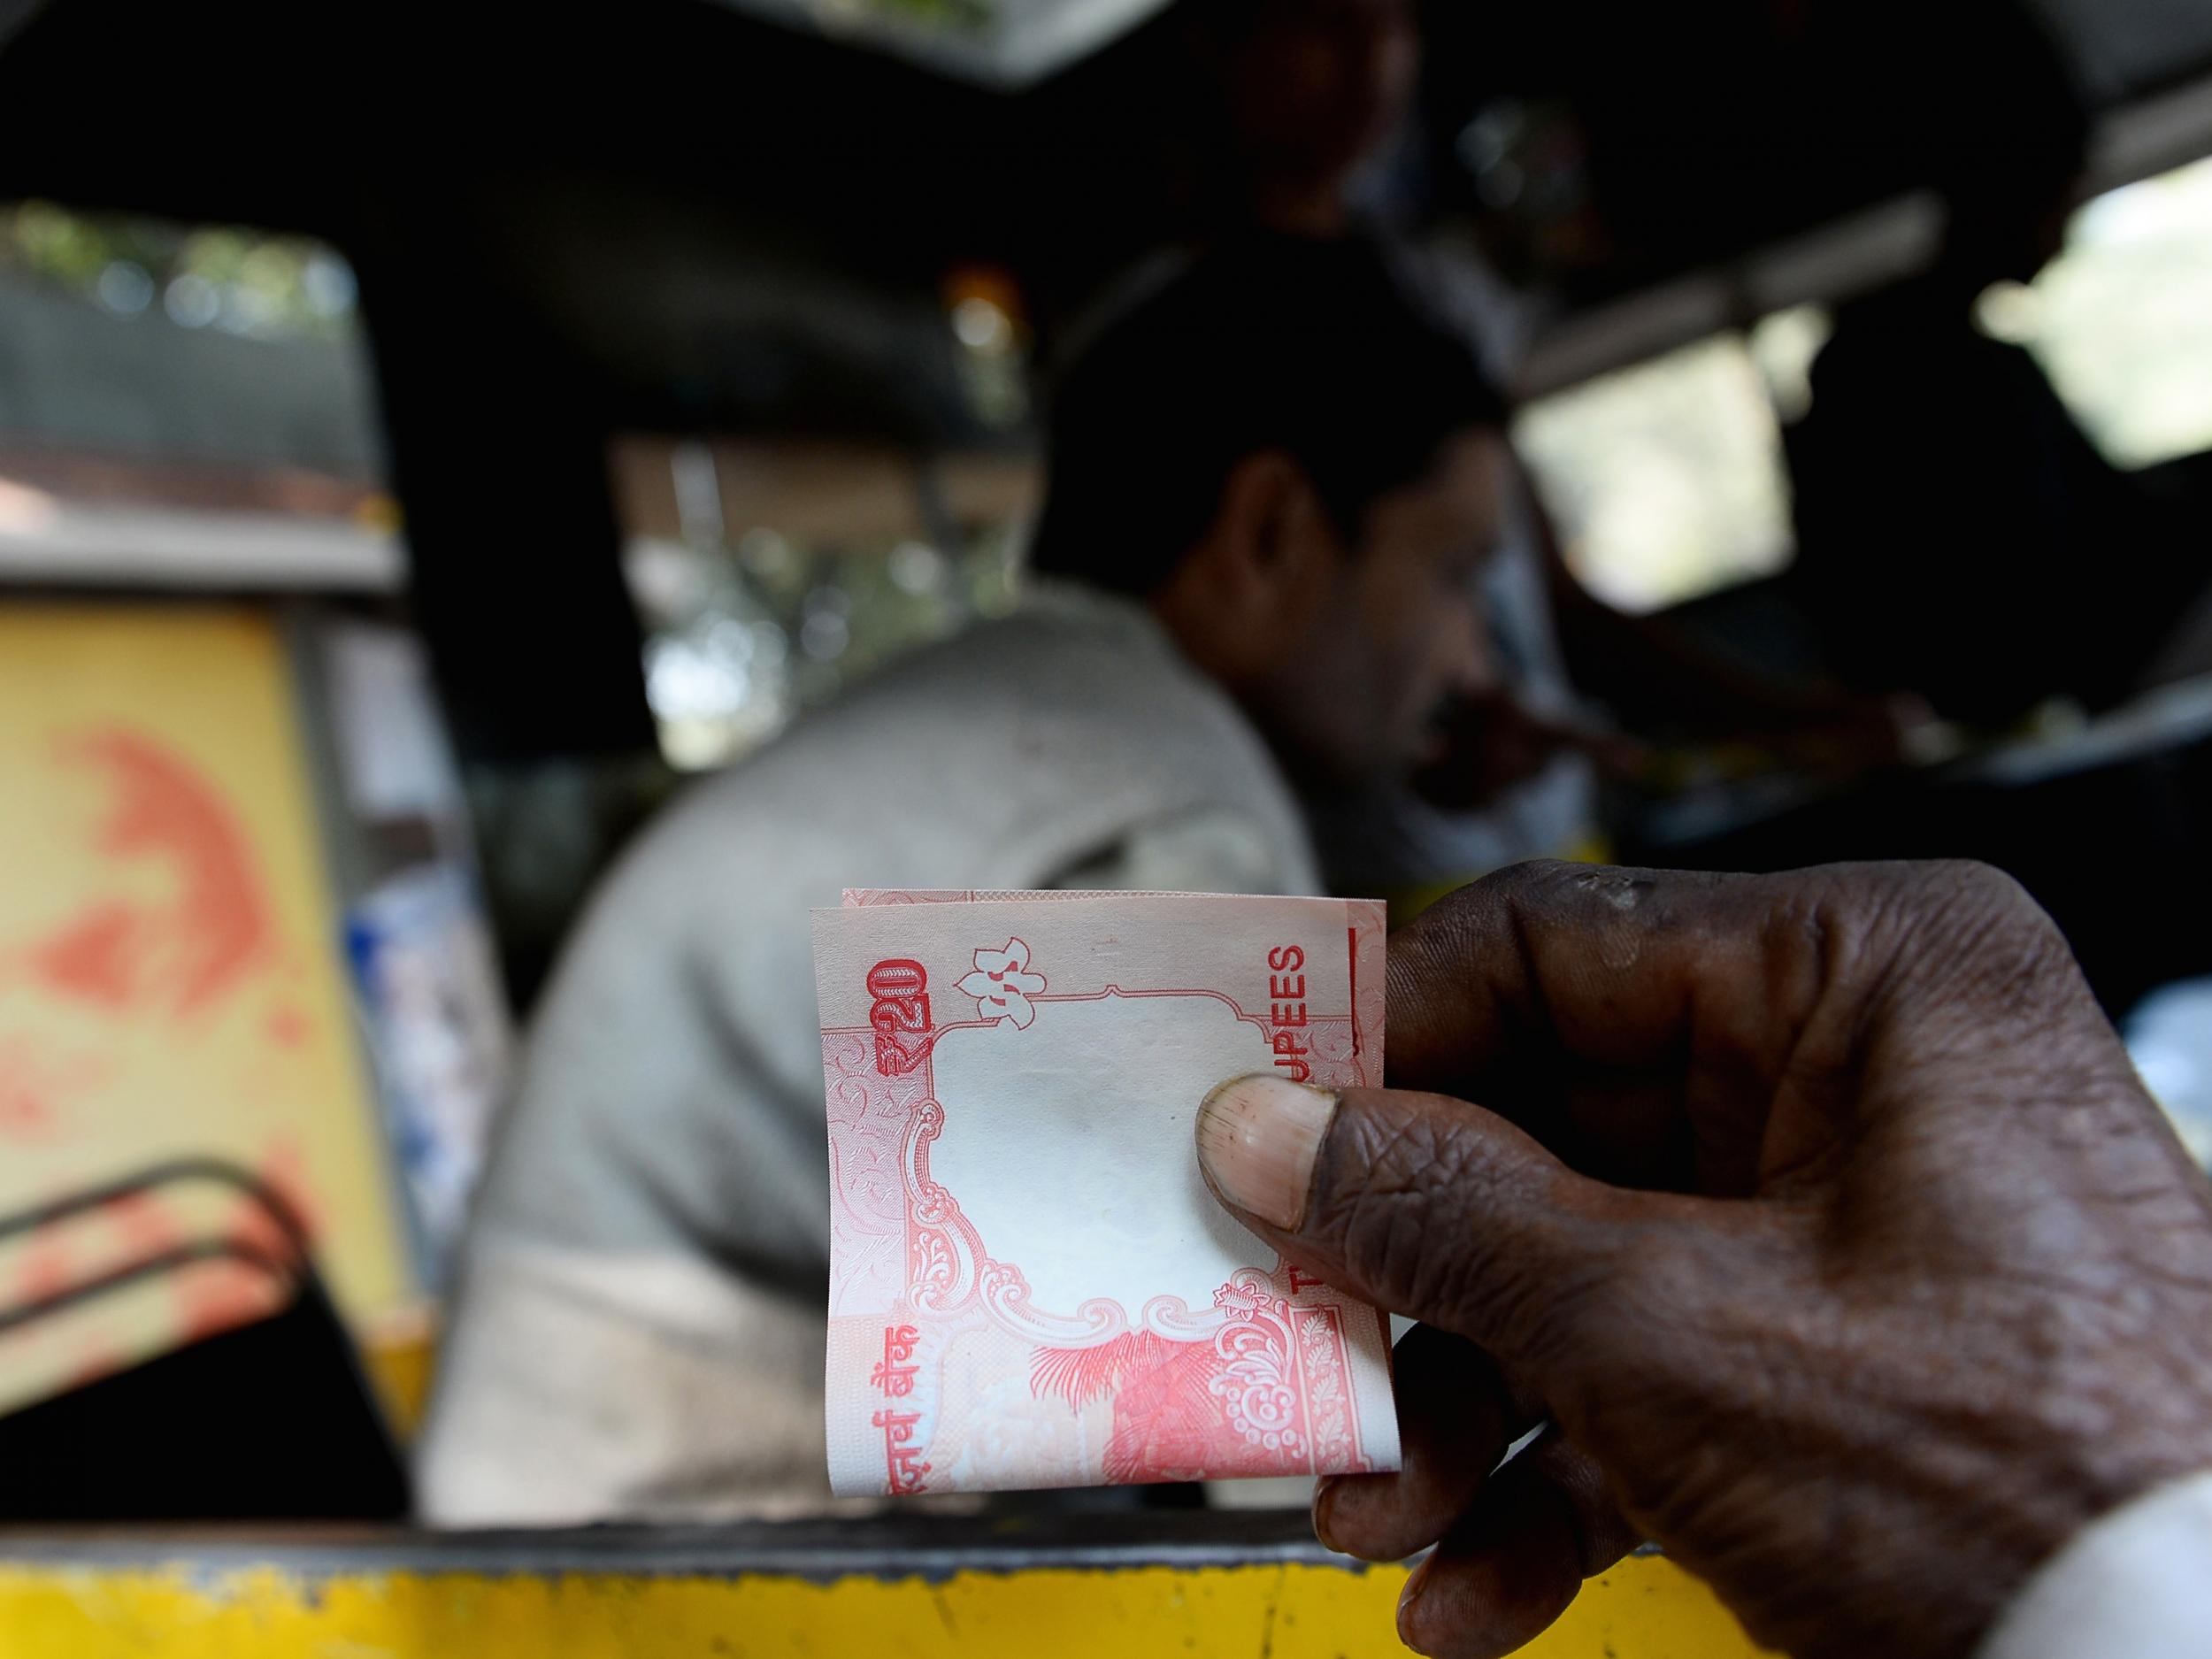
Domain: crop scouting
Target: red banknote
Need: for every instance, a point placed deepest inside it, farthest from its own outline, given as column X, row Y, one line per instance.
column 1030, row 1285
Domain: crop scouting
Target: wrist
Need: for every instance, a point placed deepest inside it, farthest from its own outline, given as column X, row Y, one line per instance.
column 2132, row 1581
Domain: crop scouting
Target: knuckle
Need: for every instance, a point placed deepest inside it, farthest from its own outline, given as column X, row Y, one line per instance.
column 1973, row 928
column 1966, row 897
column 1378, row 1205
column 1433, row 1215
column 1536, row 876
column 1955, row 896
column 1870, row 928
column 1600, row 1534
column 1449, row 928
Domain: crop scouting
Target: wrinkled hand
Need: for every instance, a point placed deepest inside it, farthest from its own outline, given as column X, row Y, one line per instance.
column 1822, row 1217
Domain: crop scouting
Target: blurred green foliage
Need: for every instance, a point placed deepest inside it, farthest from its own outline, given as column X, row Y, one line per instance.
column 966, row 16
column 240, row 280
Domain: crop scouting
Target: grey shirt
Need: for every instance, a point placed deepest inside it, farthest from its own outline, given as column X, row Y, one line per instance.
column 658, row 1190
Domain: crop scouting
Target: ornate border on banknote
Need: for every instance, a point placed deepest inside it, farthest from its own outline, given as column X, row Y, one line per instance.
column 1259, row 1382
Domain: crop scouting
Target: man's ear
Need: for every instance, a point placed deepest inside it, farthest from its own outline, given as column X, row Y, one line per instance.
column 1247, row 592
column 1271, row 538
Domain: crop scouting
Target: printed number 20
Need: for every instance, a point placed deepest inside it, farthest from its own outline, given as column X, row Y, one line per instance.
column 901, row 1014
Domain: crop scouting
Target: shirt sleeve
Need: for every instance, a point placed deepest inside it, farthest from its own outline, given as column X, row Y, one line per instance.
column 2138, row 1582
column 1209, row 851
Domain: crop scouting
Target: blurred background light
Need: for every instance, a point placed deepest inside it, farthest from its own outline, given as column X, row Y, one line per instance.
column 768, row 576
column 1010, row 42
column 2123, row 319
column 191, row 301
column 1668, row 477
column 1667, row 480
column 125, row 287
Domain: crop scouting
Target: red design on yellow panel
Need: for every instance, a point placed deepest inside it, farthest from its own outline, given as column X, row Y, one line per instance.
column 171, row 985
column 205, row 925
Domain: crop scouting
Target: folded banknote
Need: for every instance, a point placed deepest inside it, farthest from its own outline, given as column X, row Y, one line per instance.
column 1030, row 1285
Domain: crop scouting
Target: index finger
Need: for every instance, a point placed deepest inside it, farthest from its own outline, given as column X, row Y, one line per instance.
column 1641, row 1023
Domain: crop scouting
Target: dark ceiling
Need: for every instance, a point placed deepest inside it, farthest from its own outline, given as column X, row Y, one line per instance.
column 695, row 202
column 668, row 213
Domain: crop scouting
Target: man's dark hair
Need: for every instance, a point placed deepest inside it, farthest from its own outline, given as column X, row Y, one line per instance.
column 1322, row 351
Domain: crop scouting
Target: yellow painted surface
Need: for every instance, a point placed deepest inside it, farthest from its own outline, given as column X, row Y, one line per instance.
column 170, row 978
column 1643, row 1609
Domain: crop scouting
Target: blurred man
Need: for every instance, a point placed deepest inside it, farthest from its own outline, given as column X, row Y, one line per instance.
column 1306, row 104
column 1960, row 538
column 1273, row 482
column 1315, row 100
column 1299, row 103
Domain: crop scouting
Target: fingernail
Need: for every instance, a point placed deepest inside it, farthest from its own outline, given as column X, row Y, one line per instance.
column 1257, row 1139
column 1324, row 1502
column 1407, row 1599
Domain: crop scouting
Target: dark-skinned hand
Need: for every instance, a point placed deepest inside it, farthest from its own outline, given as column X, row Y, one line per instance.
column 1820, row 1217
